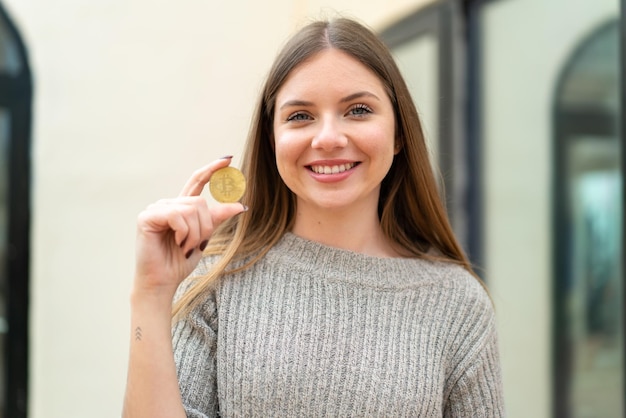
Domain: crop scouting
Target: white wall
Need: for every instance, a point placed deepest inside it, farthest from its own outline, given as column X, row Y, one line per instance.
column 527, row 43
column 130, row 98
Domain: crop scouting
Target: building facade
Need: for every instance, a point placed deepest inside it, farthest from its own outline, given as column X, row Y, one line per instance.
column 108, row 105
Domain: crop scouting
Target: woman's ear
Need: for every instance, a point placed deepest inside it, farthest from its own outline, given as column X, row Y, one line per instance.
column 397, row 147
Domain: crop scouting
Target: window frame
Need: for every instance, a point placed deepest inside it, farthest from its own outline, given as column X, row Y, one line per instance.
column 457, row 157
column 16, row 97
column 456, row 25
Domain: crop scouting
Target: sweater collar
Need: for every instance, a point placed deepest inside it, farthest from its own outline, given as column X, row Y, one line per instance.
column 311, row 257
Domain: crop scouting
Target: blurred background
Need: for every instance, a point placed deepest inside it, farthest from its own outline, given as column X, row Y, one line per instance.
column 108, row 105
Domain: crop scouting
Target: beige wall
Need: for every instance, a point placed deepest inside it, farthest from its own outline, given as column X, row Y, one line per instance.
column 130, row 97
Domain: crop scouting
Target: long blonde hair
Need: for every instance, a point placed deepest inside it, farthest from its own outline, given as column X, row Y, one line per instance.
column 410, row 209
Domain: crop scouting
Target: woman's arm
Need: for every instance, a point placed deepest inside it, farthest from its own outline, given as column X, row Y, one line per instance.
column 474, row 387
column 152, row 387
column 478, row 392
column 171, row 235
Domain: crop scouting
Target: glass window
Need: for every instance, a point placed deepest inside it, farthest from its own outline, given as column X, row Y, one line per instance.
column 550, row 89
column 10, row 63
column 424, row 45
column 588, row 274
column 418, row 60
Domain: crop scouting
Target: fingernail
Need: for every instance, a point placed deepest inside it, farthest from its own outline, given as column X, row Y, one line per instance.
column 245, row 208
column 203, row 245
column 182, row 244
column 189, row 253
column 226, row 157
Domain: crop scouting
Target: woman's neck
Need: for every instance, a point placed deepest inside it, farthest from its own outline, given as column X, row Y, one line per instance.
column 357, row 231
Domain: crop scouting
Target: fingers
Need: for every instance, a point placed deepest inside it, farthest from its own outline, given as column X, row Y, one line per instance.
column 174, row 216
column 202, row 223
column 201, row 177
column 187, row 222
column 189, row 234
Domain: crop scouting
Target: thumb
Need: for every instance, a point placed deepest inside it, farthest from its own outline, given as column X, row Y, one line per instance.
column 224, row 211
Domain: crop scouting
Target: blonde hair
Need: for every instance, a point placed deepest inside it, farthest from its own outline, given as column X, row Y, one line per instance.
column 411, row 212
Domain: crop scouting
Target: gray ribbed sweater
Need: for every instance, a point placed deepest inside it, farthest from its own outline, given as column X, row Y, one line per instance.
column 317, row 331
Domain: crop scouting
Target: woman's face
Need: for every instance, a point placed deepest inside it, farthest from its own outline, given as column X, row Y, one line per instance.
column 334, row 133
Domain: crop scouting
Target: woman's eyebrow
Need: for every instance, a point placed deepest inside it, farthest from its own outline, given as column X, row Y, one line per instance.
column 358, row 95
column 292, row 103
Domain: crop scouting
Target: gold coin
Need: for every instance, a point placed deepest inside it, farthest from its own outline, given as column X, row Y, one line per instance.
column 227, row 185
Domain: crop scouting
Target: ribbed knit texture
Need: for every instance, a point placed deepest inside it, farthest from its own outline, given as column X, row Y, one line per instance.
column 312, row 331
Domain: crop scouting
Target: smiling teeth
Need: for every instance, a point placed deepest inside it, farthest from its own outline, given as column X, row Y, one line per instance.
column 327, row 169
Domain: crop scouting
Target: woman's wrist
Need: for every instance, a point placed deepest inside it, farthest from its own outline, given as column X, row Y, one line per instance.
column 161, row 296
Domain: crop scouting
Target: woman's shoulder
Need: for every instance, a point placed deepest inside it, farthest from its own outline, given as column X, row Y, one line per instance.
column 456, row 277
column 465, row 288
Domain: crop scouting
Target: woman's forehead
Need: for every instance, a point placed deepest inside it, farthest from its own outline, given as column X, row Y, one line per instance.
column 330, row 69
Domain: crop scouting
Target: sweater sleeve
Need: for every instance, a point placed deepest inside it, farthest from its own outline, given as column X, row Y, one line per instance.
column 195, row 345
column 478, row 391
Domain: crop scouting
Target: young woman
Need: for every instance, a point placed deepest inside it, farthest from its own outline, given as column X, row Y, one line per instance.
column 337, row 287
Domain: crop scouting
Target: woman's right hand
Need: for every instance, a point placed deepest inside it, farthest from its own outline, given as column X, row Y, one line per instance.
column 172, row 233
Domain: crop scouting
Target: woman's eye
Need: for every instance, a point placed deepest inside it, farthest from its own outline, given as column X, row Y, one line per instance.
column 298, row 116
column 360, row 110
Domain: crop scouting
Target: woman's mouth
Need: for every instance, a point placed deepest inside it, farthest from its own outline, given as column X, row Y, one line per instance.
column 332, row 169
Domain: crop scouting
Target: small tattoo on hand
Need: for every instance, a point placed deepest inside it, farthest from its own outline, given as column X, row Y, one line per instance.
column 138, row 334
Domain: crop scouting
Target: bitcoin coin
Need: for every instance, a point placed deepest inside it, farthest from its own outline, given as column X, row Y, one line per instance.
column 227, row 185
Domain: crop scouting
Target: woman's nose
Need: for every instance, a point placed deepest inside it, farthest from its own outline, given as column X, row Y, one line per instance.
column 330, row 135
